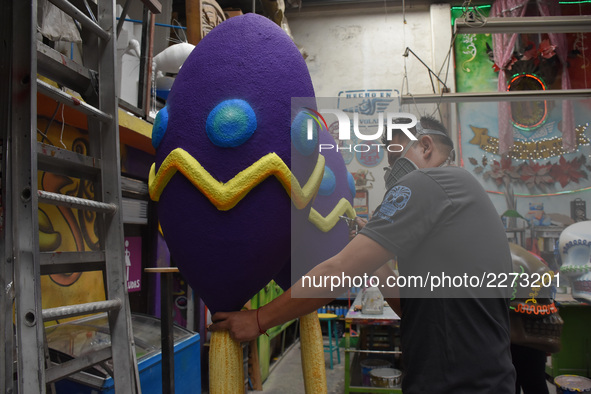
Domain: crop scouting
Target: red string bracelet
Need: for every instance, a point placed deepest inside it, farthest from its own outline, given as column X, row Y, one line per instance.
column 259, row 324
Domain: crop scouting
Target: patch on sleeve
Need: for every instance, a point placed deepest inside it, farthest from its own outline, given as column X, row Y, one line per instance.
column 394, row 201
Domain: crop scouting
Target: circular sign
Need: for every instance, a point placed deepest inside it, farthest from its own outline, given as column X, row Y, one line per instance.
column 527, row 115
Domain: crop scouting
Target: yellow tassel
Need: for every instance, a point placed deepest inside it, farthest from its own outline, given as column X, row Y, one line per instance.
column 226, row 371
column 312, row 354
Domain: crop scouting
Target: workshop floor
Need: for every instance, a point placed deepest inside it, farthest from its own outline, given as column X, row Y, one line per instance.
column 286, row 376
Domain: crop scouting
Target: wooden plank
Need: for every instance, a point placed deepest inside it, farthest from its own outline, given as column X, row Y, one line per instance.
column 153, row 5
column 163, row 270
column 254, row 368
column 193, row 13
column 149, row 71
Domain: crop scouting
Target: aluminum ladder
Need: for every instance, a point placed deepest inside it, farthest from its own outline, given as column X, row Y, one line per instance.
column 24, row 365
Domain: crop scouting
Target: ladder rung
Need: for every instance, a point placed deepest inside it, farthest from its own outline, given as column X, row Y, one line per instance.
column 80, row 363
column 73, row 102
column 65, row 162
column 85, row 21
column 80, row 309
column 75, row 202
column 60, row 262
column 64, row 71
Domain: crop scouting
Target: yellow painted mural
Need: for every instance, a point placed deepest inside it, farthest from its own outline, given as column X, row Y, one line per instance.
column 65, row 229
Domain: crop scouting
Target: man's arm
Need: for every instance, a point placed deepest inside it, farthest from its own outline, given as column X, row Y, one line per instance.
column 392, row 295
column 361, row 256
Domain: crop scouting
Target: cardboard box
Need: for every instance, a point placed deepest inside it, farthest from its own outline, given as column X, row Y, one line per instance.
column 230, row 12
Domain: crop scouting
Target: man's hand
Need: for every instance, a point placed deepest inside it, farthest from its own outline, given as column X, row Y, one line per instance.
column 361, row 222
column 243, row 326
column 358, row 225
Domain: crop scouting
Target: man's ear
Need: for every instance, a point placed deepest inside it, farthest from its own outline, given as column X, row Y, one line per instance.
column 427, row 146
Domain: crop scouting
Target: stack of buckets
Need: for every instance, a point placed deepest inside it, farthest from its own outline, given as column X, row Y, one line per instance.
column 566, row 384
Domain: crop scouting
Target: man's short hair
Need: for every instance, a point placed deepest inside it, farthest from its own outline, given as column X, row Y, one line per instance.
column 398, row 131
column 429, row 122
column 438, row 133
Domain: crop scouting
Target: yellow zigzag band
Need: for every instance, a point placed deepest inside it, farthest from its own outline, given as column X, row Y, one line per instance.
column 226, row 195
column 325, row 224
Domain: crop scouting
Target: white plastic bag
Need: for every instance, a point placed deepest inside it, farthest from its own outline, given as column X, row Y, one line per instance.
column 55, row 24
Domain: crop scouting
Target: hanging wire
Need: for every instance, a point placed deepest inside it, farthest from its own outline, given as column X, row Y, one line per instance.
column 44, row 134
column 153, row 98
column 405, row 76
column 404, row 16
column 176, row 28
column 472, row 15
column 399, row 99
column 447, row 57
column 63, row 126
column 443, row 64
column 45, row 137
column 90, row 12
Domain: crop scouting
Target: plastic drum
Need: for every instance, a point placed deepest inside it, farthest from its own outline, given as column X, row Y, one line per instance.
column 369, row 364
column 385, row 377
column 572, row 384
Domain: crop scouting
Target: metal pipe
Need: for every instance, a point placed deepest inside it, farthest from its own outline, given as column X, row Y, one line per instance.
column 71, row 101
column 571, row 94
column 80, row 309
column 527, row 24
column 76, row 202
column 350, row 350
column 85, row 21
column 123, row 16
column 431, row 72
column 167, row 338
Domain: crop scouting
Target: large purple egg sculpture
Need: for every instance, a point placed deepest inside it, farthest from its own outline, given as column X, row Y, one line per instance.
column 226, row 194
column 324, row 234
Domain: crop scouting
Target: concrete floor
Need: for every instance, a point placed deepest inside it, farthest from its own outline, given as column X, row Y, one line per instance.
column 286, row 376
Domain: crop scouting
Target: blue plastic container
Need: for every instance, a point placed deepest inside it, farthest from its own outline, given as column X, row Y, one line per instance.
column 187, row 360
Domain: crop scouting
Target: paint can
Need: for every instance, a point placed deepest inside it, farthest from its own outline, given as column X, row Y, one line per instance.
column 385, row 377
column 566, row 384
column 369, row 364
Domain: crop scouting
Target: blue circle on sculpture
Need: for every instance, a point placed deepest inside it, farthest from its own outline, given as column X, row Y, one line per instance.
column 351, row 181
column 299, row 134
column 159, row 128
column 231, row 123
column 328, row 184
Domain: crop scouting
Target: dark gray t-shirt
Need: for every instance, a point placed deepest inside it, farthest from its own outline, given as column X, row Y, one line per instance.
column 440, row 222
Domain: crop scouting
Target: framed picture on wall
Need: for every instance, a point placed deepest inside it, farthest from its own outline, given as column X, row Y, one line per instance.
column 361, row 203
